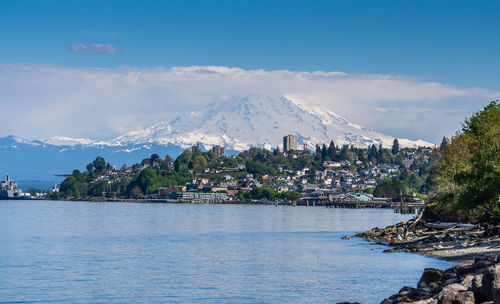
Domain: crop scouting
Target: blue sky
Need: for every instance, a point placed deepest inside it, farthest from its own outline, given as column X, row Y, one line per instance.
column 417, row 67
column 454, row 42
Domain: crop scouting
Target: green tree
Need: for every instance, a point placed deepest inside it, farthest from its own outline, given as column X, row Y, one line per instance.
column 136, row 192
column 391, row 188
column 99, row 164
column 444, row 142
column 199, row 163
column 372, row 154
column 395, row 147
column 182, row 161
column 324, row 152
column 467, row 175
column 481, row 183
column 332, row 153
column 343, row 153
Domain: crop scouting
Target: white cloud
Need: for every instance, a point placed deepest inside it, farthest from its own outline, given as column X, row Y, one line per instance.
column 39, row 101
column 97, row 48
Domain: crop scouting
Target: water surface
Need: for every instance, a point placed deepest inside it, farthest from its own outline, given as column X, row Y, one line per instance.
column 81, row 252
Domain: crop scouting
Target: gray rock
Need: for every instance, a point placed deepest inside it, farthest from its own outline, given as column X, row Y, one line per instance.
column 450, row 273
column 401, row 299
column 406, row 290
column 427, row 301
column 464, row 269
column 485, row 262
column 435, row 285
column 430, row 275
column 420, row 294
column 481, row 286
column 467, row 281
column 494, row 274
column 454, row 294
column 450, row 281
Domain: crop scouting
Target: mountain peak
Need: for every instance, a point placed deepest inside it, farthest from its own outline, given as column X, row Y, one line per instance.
column 252, row 120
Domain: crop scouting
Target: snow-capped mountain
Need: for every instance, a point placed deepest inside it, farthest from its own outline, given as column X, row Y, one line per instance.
column 67, row 141
column 250, row 121
column 237, row 125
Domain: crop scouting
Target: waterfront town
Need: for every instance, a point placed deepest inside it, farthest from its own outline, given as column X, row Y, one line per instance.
column 320, row 176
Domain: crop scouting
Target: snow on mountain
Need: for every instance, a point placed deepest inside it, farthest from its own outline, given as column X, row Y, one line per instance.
column 67, row 141
column 253, row 120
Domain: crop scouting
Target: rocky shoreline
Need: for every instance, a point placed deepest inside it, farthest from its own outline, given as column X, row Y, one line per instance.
column 459, row 243
column 478, row 282
column 477, row 246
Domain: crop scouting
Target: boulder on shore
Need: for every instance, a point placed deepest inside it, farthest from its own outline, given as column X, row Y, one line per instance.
column 478, row 282
column 429, row 276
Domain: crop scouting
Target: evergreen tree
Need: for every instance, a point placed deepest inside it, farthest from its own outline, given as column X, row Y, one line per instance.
column 332, row 153
column 276, row 151
column 380, row 153
column 317, row 155
column 372, row 153
column 343, row 155
column 324, row 152
column 99, row 164
column 395, row 146
column 444, row 142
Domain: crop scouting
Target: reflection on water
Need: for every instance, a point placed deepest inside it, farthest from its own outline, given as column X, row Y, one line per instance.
column 82, row 252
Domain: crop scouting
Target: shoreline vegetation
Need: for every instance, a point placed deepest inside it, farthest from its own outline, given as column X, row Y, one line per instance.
column 460, row 222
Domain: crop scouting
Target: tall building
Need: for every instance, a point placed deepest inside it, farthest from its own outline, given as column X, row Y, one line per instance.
column 218, row 150
column 289, row 143
column 197, row 147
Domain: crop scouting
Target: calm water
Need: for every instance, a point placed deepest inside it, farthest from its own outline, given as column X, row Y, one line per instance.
column 67, row 252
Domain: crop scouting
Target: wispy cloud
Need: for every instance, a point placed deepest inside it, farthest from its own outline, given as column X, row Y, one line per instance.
column 48, row 100
column 96, row 48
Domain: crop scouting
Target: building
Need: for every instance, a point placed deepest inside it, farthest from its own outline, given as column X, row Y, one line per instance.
column 218, row 150
column 197, row 147
column 198, row 196
column 362, row 197
column 289, row 143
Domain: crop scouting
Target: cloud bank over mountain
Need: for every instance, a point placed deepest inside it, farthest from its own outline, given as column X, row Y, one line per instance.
column 40, row 101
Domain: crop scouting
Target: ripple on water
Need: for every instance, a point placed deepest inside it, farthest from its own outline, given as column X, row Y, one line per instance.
column 82, row 252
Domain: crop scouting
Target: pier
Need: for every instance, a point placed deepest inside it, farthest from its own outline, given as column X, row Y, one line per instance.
column 398, row 207
column 407, row 207
column 353, row 204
